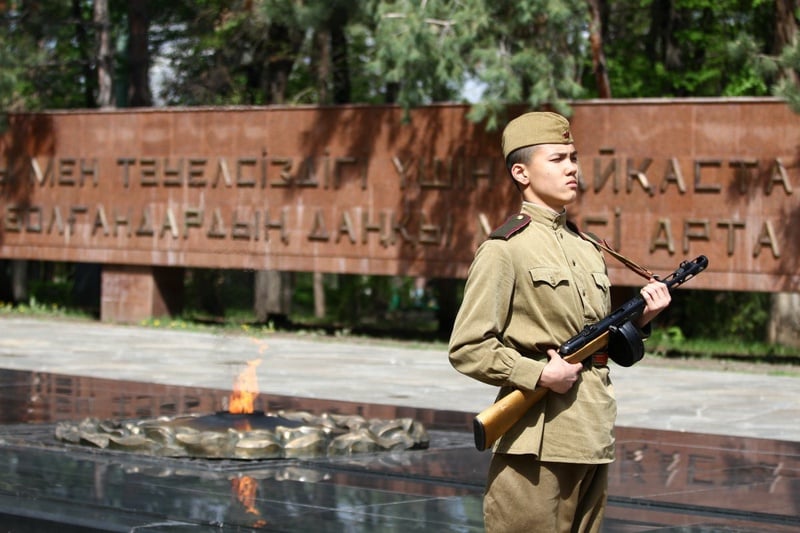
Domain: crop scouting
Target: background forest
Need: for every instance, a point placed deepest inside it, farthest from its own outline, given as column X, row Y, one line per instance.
column 66, row 54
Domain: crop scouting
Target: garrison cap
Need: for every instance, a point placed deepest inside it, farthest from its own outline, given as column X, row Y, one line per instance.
column 539, row 127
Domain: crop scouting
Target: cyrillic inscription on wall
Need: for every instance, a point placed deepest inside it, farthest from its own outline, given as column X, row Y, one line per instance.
column 355, row 189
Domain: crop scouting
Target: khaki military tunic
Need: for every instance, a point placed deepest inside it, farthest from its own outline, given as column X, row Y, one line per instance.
column 524, row 295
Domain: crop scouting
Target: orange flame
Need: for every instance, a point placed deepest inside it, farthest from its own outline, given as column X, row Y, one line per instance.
column 244, row 488
column 245, row 389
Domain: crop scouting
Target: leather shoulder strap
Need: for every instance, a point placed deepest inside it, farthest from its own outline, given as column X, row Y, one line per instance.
column 603, row 245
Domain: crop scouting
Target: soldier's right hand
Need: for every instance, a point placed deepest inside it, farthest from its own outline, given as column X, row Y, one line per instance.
column 559, row 375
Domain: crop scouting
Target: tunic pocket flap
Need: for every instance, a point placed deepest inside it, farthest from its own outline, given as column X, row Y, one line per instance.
column 601, row 280
column 550, row 276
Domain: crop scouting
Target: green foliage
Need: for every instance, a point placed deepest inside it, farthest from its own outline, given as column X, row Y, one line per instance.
column 50, row 48
column 213, row 294
column 529, row 52
column 262, row 52
column 721, row 324
column 686, row 47
column 412, row 52
column 50, row 292
column 379, row 303
column 672, row 343
column 213, row 50
column 720, row 315
column 419, row 50
column 18, row 52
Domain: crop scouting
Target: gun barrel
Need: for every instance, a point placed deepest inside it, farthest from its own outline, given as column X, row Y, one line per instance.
column 632, row 308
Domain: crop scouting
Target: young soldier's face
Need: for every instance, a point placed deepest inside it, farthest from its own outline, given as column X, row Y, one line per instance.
column 550, row 178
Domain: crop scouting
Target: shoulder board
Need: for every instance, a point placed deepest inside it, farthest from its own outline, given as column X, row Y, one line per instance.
column 513, row 225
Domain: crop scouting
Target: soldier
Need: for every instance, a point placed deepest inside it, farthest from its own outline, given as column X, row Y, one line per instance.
column 532, row 285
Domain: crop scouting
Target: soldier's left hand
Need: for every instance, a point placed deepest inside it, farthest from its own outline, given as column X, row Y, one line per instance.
column 656, row 298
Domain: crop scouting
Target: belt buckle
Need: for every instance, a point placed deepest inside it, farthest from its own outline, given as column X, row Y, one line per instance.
column 596, row 359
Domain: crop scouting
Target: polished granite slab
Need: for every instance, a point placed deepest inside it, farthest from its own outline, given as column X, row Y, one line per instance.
column 662, row 481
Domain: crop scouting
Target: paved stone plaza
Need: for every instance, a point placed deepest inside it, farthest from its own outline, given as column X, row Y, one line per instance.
column 707, row 450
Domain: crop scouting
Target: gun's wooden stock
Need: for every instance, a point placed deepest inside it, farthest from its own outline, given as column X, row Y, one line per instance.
column 498, row 418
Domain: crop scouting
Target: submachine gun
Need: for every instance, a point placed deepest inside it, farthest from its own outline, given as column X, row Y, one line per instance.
column 495, row 420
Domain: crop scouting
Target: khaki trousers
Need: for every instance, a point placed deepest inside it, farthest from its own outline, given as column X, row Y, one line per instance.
column 526, row 495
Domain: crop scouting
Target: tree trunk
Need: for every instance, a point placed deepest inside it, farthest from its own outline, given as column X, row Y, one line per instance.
column 330, row 57
column 660, row 45
column 102, row 24
column 341, row 70
column 598, row 55
column 84, row 47
column 273, row 296
column 785, row 33
column 391, row 91
column 784, row 320
column 785, row 24
column 324, row 66
column 19, row 280
column 279, row 61
column 138, row 55
column 319, row 295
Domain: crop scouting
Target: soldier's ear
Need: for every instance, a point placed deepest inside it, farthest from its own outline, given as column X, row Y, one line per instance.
column 520, row 173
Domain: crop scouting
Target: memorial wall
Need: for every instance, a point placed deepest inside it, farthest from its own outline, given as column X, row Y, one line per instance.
column 358, row 189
